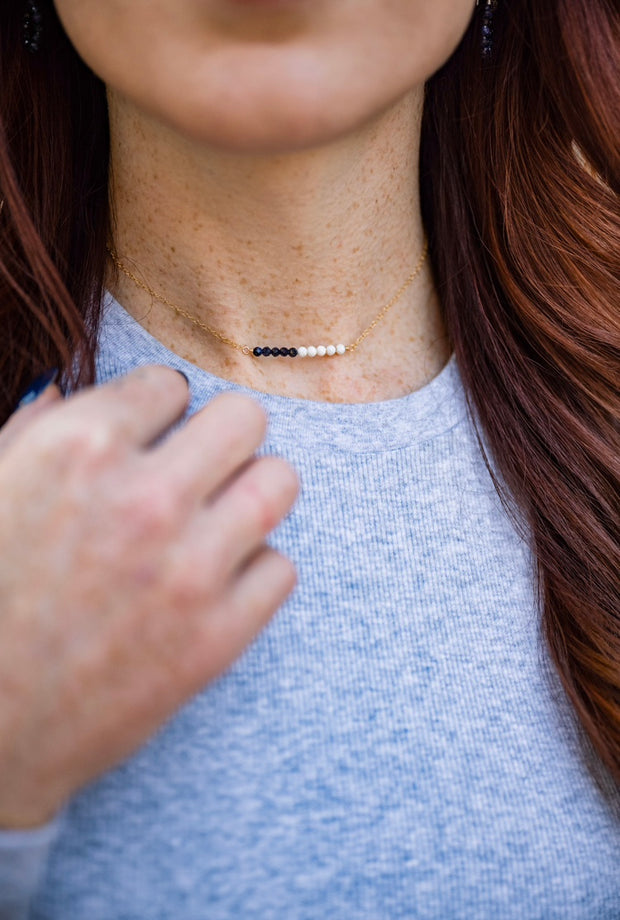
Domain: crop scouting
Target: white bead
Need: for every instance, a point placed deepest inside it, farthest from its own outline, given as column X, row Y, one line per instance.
column 302, row 351
column 321, row 351
column 340, row 349
column 312, row 351
column 331, row 350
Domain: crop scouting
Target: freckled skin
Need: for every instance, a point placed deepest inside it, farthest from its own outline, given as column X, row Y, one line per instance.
column 265, row 170
column 278, row 146
column 265, row 166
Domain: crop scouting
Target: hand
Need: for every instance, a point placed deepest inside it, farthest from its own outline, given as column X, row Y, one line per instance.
column 131, row 574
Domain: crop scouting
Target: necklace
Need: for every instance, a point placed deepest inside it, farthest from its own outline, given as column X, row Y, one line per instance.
column 258, row 351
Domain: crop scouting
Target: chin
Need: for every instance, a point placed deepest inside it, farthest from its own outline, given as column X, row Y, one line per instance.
column 276, row 119
column 276, row 133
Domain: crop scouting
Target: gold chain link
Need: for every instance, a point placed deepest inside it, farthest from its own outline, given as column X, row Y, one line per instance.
column 246, row 349
column 399, row 293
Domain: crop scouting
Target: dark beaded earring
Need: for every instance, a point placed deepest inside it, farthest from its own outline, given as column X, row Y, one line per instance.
column 33, row 26
column 488, row 13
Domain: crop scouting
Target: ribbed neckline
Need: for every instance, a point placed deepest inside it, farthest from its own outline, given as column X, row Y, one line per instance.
column 355, row 427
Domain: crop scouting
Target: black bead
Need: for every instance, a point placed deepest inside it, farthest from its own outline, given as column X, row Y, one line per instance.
column 257, row 352
column 292, row 352
column 266, row 351
column 275, row 352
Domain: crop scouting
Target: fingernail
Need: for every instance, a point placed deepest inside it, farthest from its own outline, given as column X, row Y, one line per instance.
column 184, row 376
column 37, row 387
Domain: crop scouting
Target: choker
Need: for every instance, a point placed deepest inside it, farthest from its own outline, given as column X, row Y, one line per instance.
column 268, row 351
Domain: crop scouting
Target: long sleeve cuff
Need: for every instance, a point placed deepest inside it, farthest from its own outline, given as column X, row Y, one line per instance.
column 23, row 856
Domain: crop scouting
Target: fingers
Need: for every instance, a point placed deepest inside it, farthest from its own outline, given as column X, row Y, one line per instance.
column 136, row 408
column 250, row 508
column 213, row 445
column 248, row 606
column 234, row 527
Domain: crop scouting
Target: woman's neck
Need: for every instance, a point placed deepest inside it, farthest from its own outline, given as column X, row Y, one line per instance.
column 299, row 248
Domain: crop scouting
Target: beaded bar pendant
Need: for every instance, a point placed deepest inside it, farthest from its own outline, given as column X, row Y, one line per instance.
column 266, row 351
column 310, row 351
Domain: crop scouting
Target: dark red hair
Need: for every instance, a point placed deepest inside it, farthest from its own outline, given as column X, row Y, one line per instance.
column 520, row 175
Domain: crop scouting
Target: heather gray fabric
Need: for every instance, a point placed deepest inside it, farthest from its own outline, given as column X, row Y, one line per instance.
column 394, row 745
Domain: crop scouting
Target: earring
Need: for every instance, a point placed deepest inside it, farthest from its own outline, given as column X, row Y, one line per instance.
column 488, row 13
column 33, row 26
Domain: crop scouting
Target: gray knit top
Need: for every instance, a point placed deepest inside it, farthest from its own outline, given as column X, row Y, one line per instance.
column 395, row 744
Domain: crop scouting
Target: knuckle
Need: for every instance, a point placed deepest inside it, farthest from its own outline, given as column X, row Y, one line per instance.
column 150, row 387
column 151, row 509
column 173, row 386
column 190, row 589
column 260, row 504
column 77, row 444
column 243, row 416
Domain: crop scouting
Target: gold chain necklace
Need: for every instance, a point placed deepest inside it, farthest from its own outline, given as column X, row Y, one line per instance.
column 257, row 351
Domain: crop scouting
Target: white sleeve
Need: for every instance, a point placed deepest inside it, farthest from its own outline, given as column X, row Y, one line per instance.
column 23, row 856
